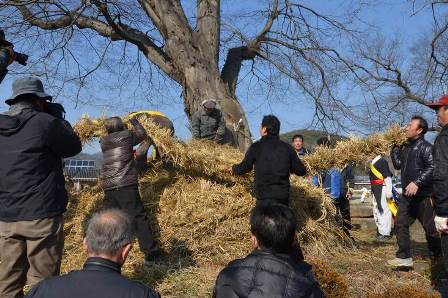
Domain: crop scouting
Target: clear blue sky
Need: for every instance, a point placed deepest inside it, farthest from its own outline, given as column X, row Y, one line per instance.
column 393, row 18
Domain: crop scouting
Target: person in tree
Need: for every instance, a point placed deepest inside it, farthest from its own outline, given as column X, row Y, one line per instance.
column 208, row 123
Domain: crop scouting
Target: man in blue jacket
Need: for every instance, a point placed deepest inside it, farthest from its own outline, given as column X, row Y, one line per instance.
column 32, row 187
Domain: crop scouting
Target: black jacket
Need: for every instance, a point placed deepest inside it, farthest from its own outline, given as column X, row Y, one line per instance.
column 263, row 274
column 119, row 167
column 441, row 173
column 273, row 160
column 32, row 145
column 99, row 278
column 415, row 160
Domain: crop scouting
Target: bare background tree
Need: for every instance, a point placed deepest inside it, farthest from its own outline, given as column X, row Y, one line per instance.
column 398, row 80
column 199, row 50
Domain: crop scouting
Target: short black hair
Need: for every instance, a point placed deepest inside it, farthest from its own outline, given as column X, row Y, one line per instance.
column 114, row 124
column 274, row 225
column 272, row 125
column 324, row 141
column 297, row 136
column 423, row 124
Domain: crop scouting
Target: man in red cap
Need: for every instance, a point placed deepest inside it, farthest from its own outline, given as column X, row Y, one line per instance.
column 440, row 179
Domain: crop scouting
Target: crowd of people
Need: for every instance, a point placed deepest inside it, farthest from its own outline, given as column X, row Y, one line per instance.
column 35, row 139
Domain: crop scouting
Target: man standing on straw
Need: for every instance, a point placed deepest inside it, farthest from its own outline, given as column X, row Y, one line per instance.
column 208, row 123
column 440, row 175
column 273, row 161
column 415, row 160
column 119, row 180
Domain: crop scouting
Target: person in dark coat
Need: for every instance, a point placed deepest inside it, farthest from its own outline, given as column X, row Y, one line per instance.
column 119, row 179
column 32, row 187
column 440, row 174
column 273, row 161
column 415, row 160
column 270, row 270
column 208, row 123
column 108, row 241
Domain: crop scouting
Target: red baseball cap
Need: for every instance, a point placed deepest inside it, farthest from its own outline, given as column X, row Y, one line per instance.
column 435, row 105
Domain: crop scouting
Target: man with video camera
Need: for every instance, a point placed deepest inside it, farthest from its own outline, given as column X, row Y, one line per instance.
column 8, row 55
column 34, row 139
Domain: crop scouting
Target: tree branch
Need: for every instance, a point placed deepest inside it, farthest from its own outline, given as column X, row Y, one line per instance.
column 110, row 30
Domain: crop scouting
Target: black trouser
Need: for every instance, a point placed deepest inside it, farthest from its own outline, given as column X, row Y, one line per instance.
column 283, row 201
column 408, row 210
column 445, row 251
column 343, row 205
column 128, row 199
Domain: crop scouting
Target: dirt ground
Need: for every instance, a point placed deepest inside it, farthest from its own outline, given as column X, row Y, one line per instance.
column 365, row 271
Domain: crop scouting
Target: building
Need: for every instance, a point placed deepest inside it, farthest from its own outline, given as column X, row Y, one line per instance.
column 81, row 172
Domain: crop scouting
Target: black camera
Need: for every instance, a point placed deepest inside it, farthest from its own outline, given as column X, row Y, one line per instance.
column 21, row 58
column 55, row 109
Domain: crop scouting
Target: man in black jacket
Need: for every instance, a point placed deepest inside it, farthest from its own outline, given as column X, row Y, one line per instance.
column 32, row 187
column 108, row 242
column 119, row 179
column 440, row 180
column 415, row 160
column 270, row 270
column 273, row 160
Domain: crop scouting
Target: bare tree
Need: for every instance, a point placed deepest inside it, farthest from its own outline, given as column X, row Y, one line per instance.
column 294, row 42
column 398, row 81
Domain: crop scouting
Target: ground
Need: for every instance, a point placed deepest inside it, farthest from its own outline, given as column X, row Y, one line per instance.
column 365, row 271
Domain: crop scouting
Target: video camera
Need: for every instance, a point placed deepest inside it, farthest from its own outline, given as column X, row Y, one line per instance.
column 55, row 109
column 18, row 57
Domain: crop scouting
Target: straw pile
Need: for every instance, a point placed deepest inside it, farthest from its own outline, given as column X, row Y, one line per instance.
column 200, row 212
column 354, row 150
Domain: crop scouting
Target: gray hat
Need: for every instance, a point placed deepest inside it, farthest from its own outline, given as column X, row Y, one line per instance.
column 28, row 85
column 209, row 103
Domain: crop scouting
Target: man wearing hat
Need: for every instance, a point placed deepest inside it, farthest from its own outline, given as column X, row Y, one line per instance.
column 8, row 56
column 32, row 187
column 208, row 123
column 440, row 174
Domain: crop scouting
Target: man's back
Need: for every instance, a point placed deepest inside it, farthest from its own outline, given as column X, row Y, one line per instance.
column 266, row 274
column 273, row 161
column 99, row 278
column 119, row 168
column 33, row 145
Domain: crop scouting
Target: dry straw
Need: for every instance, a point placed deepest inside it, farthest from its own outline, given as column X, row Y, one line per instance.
column 200, row 211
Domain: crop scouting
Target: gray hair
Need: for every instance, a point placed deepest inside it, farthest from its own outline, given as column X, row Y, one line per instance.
column 107, row 231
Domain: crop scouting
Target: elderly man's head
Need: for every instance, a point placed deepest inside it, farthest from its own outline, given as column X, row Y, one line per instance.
column 273, row 227
column 109, row 235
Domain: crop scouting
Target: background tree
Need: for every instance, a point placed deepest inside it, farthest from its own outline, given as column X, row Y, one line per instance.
column 294, row 44
column 399, row 80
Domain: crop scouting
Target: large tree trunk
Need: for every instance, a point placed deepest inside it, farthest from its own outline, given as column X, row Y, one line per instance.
column 203, row 82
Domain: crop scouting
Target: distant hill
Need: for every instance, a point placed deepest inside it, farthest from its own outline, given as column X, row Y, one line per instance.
column 310, row 136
